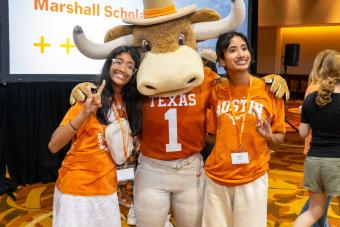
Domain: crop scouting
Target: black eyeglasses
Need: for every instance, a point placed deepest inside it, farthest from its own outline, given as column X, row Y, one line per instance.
column 129, row 67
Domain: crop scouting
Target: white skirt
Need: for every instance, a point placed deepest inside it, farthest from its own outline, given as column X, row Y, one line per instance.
column 76, row 211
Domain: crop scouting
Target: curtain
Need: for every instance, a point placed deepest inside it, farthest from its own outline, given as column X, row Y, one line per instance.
column 29, row 114
column 2, row 130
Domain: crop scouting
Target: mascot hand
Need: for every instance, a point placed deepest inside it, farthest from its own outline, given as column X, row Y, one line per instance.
column 80, row 91
column 278, row 85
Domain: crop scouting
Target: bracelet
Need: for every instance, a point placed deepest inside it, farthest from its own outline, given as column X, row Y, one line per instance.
column 74, row 128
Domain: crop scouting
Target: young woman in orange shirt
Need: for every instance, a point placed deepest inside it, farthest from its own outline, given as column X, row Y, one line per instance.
column 245, row 118
column 86, row 188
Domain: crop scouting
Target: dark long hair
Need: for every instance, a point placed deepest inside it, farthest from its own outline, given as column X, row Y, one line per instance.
column 211, row 65
column 130, row 95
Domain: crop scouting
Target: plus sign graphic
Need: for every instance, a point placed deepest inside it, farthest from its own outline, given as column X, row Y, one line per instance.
column 42, row 44
column 67, row 46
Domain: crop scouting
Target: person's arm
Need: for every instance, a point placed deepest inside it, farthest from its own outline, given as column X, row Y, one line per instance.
column 211, row 120
column 264, row 129
column 64, row 133
column 277, row 138
column 310, row 89
column 304, row 129
column 272, row 128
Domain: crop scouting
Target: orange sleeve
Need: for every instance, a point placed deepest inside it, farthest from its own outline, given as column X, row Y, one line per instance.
column 208, row 72
column 72, row 113
column 213, row 78
column 212, row 118
column 278, row 121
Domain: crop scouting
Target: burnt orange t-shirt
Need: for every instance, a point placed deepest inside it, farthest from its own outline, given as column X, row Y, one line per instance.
column 175, row 127
column 218, row 165
column 88, row 168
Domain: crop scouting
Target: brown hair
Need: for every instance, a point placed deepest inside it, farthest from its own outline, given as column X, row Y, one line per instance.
column 330, row 71
column 315, row 76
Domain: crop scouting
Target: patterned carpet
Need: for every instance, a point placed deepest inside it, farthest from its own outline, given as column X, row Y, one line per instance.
column 33, row 206
column 286, row 195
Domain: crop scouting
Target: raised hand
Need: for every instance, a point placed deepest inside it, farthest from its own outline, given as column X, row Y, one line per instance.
column 263, row 126
column 94, row 101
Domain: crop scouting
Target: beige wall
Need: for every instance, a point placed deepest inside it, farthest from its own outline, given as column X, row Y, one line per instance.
column 272, row 41
column 312, row 40
column 275, row 13
column 268, row 50
column 317, row 27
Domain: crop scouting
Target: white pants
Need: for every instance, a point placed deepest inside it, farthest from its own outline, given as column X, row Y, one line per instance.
column 161, row 184
column 91, row 211
column 238, row 206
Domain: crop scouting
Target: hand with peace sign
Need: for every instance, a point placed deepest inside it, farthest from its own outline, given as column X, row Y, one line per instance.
column 93, row 101
column 263, row 126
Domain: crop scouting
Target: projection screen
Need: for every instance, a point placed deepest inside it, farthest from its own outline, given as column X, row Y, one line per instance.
column 36, row 35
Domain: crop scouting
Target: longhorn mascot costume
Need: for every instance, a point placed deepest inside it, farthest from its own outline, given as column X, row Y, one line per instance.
column 177, row 90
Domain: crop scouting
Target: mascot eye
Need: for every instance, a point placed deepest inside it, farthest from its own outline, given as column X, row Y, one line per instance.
column 181, row 39
column 146, row 45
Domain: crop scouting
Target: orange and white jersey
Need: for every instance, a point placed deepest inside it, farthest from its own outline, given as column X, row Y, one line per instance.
column 175, row 127
column 219, row 165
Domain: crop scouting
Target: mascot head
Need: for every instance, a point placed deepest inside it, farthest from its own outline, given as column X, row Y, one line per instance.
column 167, row 37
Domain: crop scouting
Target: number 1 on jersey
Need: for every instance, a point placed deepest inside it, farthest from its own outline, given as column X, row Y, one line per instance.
column 173, row 145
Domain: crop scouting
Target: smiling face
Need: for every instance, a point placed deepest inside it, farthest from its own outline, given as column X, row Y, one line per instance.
column 237, row 56
column 122, row 69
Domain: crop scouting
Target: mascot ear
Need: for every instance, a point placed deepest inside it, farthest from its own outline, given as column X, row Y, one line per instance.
column 204, row 15
column 118, row 31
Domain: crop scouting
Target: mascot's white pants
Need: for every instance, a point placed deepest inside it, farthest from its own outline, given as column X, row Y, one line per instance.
column 160, row 185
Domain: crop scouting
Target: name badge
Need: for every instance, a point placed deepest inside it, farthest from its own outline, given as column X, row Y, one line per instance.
column 125, row 174
column 239, row 158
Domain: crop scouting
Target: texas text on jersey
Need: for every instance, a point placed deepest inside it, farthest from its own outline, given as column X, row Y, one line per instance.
column 175, row 127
